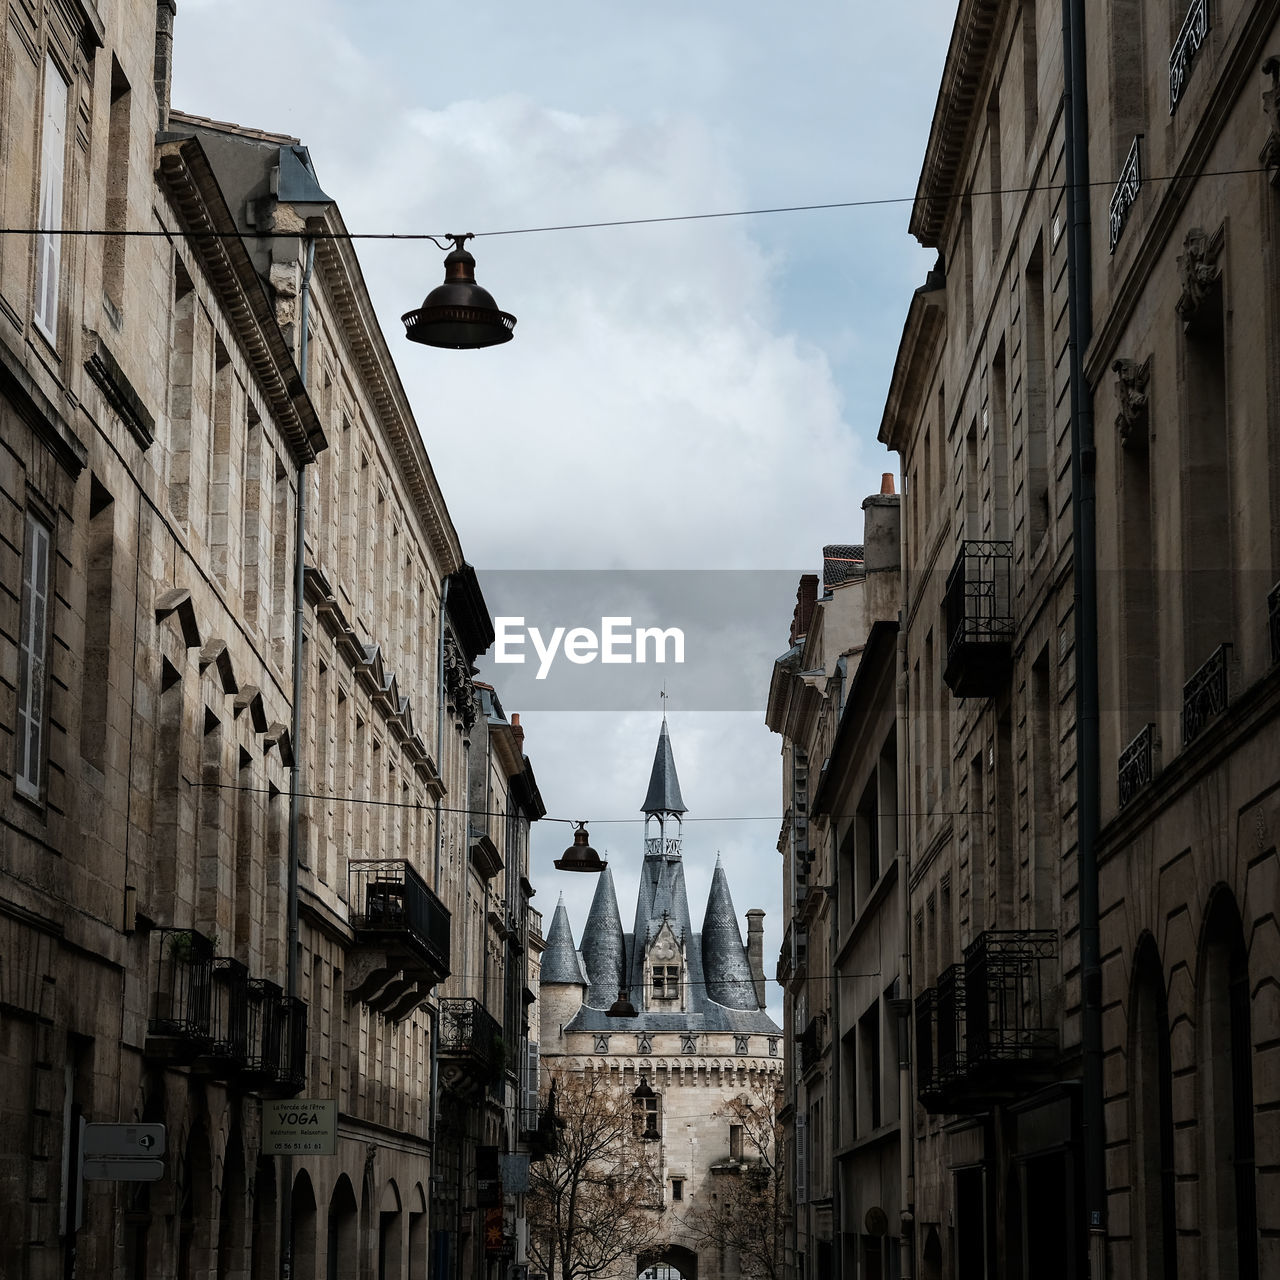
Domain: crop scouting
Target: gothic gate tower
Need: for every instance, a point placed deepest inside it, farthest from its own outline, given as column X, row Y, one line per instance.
column 701, row 1035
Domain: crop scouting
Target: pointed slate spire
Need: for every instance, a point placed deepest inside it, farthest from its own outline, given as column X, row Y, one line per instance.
column 724, row 958
column 603, row 950
column 664, row 787
column 560, row 961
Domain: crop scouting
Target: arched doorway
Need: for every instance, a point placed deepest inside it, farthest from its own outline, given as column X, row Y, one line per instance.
column 343, row 1231
column 390, row 1233
column 304, row 1225
column 931, row 1259
column 671, row 1263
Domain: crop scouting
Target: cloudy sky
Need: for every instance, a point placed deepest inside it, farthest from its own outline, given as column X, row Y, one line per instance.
column 693, row 395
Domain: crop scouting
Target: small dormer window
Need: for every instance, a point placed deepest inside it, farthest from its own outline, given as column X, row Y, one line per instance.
column 666, row 981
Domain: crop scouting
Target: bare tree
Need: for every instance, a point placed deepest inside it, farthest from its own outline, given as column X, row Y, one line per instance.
column 743, row 1206
column 593, row 1200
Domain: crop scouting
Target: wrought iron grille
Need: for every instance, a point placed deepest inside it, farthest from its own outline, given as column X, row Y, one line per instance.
column 978, row 607
column 810, row 1042
column 277, row 1039
column 926, row 1012
column 182, row 988
column 468, row 1028
column 1137, row 764
column 387, row 896
column 952, row 1005
column 1204, row 696
column 1273, row 621
column 229, row 1012
column 1009, row 980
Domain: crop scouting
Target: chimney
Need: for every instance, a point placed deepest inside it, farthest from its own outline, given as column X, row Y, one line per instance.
column 886, row 483
column 755, row 951
column 517, row 732
column 806, row 598
column 881, row 529
column 166, row 11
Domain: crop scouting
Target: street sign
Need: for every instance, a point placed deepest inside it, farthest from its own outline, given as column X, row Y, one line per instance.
column 124, row 1169
column 300, row 1127
column 138, row 1140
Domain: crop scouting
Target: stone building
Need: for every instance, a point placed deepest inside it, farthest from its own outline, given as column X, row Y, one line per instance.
column 1085, row 401
column 979, row 413
column 700, row 1036
column 209, row 720
column 1184, row 363
column 833, row 700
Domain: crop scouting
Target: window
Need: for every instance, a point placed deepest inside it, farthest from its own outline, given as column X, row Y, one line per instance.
column 677, row 1189
column 666, row 981
column 644, row 1114
column 32, row 653
column 735, row 1142
column 53, row 138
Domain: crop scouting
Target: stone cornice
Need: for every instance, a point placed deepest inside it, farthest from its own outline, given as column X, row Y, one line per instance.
column 184, row 173
column 962, row 76
column 344, row 286
column 922, row 331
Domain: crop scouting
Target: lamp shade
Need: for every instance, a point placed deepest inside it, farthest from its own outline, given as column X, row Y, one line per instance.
column 621, row 1007
column 580, row 856
column 459, row 313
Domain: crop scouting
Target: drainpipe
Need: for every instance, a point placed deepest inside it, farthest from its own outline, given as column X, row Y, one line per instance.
column 1084, row 560
column 906, row 1102
column 295, row 773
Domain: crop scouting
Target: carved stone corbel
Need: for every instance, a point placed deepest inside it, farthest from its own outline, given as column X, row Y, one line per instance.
column 1134, row 417
column 458, row 684
column 1270, row 154
column 1199, row 269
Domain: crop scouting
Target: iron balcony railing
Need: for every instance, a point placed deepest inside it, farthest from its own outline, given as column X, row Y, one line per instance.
column 390, row 903
column 470, row 1035
column 1010, row 977
column 1204, row 696
column 182, row 989
column 228, row 1050
column 810, row 1043
column 1273, row 621
column 940, row 1043
column 1137, row 765
column 978, row 607
column 276, row 1061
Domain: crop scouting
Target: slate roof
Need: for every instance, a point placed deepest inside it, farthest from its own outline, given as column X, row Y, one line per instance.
column 603, row 949
column 560, row 961
column 663, row 795
column 724, row 958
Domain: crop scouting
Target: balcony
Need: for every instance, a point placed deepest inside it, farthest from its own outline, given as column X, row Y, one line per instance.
column 986, row 1033
column 178, row 1029
column 402, row 936
column 811, row 1044
column 228, row 1048
column 1137, row 765
column 1204, row 696
column 471, row 1050
column 940, row 1042
column 276, row 1055
column 978, row 605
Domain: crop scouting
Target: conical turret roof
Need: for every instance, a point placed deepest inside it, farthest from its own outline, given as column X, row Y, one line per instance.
column 560, row 961
column 663, row 795
column 603, row 948
column 724, row 958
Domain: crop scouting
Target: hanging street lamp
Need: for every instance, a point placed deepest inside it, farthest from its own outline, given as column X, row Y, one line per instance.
column 459, row 314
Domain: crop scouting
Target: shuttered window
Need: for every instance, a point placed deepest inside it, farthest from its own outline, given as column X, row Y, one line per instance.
column 53, row 147
column 32, row 653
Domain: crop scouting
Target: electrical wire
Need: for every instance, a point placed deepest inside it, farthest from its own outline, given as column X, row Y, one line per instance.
column 591, row 822
column 872, row 202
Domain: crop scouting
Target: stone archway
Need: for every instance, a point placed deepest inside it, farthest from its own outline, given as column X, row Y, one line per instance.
column 675, row 1257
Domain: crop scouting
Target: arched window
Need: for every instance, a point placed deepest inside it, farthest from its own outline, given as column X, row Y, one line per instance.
column 1151, row 1095
column 1228, row 1181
